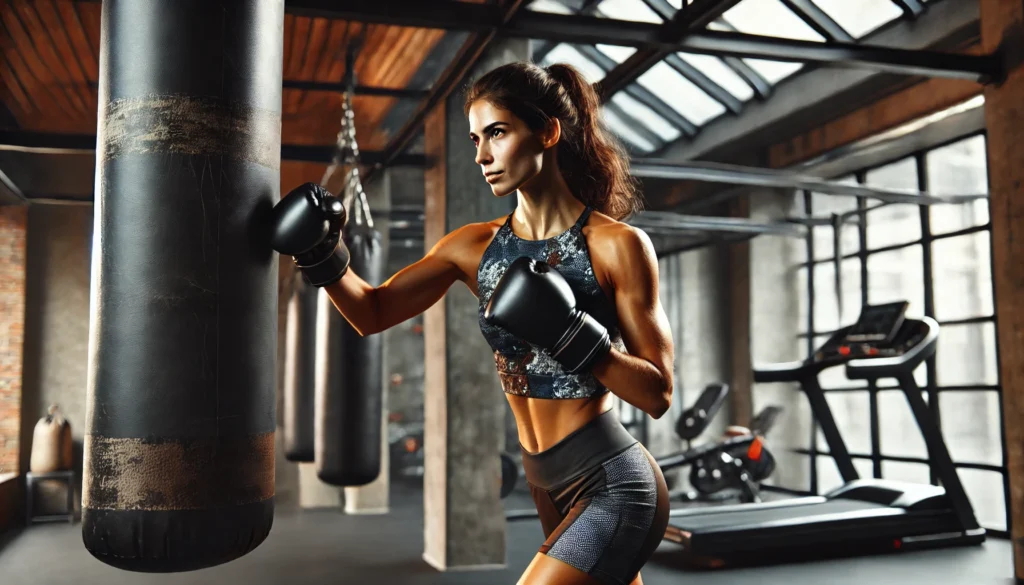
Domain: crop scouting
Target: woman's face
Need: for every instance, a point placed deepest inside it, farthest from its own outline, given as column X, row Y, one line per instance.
column 508, row 151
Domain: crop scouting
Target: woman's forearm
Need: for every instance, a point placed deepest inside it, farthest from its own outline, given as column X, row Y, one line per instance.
column 408, row 293
column 357, row 301
column 637, row 381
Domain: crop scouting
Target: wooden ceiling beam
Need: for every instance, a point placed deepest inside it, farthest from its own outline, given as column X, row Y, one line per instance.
column 463, row 62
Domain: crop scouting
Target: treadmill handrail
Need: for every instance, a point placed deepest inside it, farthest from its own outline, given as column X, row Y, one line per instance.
column 779, row 372
column 807, row 375
column 868, row 368
column 938, row 451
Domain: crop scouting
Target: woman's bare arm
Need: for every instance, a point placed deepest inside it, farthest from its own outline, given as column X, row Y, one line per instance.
column 409, row 292
column 642, row 377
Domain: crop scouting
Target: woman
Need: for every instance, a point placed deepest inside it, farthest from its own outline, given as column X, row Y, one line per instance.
column 568, row 301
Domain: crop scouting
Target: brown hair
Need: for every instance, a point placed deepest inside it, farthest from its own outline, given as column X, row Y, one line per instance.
column 593, row 163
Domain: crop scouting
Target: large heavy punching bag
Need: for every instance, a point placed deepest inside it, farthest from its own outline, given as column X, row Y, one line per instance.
column 348, row 390
column 179, row 446
column 300, row 373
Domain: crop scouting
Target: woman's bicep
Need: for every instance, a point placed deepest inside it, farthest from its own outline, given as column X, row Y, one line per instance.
column 413, row 289
column 642, row 321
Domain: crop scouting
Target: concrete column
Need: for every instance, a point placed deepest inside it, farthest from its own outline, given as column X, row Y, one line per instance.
column 775, row 321
column 741, row 377
column 372, row 498
column 464, row 407
column 702, row 346
column 661, row 434
column 314, row 493
column 695, row 301
column 1002, row 25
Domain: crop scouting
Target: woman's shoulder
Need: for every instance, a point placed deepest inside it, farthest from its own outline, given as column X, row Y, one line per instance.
column 612, row 238
column 607, row 229
column 472, row 237
column 480, row 230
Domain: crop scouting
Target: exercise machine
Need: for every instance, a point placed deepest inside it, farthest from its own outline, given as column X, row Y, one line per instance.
column 737, row 469
column 731, row 467
column 863, row 516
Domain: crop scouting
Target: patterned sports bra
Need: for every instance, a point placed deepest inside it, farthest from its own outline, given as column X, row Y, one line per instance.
column 525, row 369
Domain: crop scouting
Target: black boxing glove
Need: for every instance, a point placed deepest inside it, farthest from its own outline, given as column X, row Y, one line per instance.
column 534, row 302
column 306, row 224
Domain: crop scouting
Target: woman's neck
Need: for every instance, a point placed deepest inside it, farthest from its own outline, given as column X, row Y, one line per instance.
column 546, row 207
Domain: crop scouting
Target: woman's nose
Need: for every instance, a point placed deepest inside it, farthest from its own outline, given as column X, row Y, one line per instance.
column 483, row 156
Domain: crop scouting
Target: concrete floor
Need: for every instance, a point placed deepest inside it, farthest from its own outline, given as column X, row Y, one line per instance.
column 314, row 547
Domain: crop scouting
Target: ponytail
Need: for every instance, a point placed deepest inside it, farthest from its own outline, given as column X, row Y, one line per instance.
column 593, row 163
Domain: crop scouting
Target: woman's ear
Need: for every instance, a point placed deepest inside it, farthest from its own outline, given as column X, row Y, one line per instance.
column 551, row 133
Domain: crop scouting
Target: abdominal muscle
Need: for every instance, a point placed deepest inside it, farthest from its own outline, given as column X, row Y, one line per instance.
column 543, row 422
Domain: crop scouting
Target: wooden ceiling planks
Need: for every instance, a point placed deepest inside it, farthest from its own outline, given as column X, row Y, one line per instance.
column 85, row 47
column 389, row 57
column 49, row 41
column 49, row 69
column 32, row 61
column 312, row 46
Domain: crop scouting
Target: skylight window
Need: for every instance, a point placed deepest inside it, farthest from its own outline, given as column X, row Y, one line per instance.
column 681, row 94
column 861, row 17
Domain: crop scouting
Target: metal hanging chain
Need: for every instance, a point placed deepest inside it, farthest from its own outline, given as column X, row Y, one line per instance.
column 335, row 160
column 346, row 154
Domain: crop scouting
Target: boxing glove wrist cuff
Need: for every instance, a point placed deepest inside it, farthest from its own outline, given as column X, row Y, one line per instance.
column 584, row 342
column 327, row 271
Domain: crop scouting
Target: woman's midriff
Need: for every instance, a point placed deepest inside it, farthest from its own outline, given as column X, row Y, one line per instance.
column 543, row 422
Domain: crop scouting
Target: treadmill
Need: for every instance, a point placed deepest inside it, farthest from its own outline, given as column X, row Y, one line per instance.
column 863, row 516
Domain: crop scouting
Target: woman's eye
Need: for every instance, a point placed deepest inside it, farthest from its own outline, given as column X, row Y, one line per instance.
column 497, row 132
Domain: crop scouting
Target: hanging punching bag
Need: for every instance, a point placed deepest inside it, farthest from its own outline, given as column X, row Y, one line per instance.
column 179, row 445
column 348, row 389
column 299, row 373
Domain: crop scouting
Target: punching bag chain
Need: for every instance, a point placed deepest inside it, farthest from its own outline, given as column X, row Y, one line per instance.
column 346, row 154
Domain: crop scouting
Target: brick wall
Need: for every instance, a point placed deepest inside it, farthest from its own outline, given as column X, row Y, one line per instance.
column 13, row 222
column 11, row 504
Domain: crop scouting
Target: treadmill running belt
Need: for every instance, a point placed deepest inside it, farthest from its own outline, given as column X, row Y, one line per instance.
column 736, row 521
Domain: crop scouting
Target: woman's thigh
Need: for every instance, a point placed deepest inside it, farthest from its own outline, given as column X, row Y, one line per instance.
column 606, row 525
column 545, row 570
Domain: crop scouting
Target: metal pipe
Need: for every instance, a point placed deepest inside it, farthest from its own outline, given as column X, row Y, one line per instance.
column 761, row 177
column 9, row 190
column 667, row 222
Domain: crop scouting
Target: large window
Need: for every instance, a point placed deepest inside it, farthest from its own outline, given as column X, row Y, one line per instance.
column 938, row 258
column 672, row 100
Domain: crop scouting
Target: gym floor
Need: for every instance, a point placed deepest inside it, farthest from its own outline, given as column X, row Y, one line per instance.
column 314, row 547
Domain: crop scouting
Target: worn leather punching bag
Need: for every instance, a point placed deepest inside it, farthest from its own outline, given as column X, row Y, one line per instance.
column 179, row 445
column 349, row 395
column 300, row 373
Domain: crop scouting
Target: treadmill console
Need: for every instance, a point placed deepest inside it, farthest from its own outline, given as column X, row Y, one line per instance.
column 878, row 322
column 877, row 333
column 882, row 331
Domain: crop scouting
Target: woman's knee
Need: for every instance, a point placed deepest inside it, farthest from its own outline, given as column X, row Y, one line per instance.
column 545, row 570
